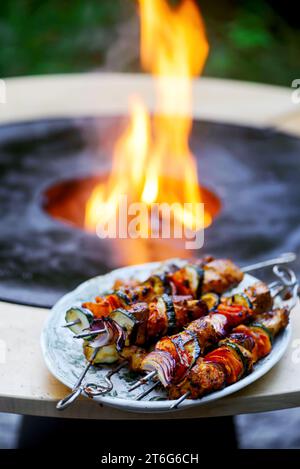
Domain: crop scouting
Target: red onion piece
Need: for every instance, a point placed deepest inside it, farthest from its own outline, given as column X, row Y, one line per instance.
column 219, row 322
column 112, row 333
column 118, row 334
column 161, row 362
column 104, row 338
column 97, row 324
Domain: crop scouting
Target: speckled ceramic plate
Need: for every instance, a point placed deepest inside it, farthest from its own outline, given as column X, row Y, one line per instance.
column 65, row 359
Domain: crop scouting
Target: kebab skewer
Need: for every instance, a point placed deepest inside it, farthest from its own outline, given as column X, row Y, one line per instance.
column 233, row 359
column 141, row 324
column 263, row 329
column 173, row 356
column 216, row 275
column 193, row 279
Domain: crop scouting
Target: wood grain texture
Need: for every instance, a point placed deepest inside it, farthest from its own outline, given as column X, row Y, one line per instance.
column 26, row 386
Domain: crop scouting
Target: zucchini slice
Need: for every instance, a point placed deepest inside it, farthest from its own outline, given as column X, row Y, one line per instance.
column 106, row 355
column 82, row 315
column 258, row 325
column 195, row 277
column 239, row 353
column 212, row 300
column 123, row 297
column 194, row 348
column 165, row 304
column 159, row 283
column 126, row 320
column 241, row 299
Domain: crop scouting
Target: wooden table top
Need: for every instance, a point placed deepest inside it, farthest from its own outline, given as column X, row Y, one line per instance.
column 26, row 386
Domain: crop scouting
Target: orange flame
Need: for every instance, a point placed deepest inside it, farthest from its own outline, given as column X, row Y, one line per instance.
column 152, row 161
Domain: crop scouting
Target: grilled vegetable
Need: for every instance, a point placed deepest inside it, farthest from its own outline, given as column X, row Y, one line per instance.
column 106, row 355
column 187, row 281
column 195, row 276
column 111, row 332
column 124, row 298
column 257, row 325
column 231, row 360
column 173, row 356
column 211, row 299
column 235, row 313
column 82, row 315
column 240, row 299
column 160, row 284
column 163, row 363
column 166, row 303
column 242, row 353
column 126, row 320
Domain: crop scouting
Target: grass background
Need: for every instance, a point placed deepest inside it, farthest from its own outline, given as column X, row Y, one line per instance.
column 254, row 40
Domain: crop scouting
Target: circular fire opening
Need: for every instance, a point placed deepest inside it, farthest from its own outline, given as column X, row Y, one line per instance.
column 66, row 200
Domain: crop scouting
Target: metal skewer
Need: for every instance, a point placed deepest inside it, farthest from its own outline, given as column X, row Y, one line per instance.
column 142, row 380
column 92, row 389
column 77, row 389
column 274, row 285
column 72, row 323
column 180, row 400
column 286, row 275
column 145, row 393
column 88, row 334
column 284, row 258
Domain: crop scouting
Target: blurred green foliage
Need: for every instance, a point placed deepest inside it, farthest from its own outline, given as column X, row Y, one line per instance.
column 250, row 40
column 55, row 36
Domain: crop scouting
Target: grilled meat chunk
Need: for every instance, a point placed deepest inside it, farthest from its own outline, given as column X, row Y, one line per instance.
column 260, row 297
column 203, row 378
column 220, row 275
column 134, row 355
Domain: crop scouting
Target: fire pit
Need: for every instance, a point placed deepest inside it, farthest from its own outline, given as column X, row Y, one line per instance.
column 66, row 201
column 251, row 170
column 61, row 178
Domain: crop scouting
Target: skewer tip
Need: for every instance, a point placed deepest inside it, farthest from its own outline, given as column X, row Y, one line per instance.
column 72, row 323
column 142, row 381
column 179, row 401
